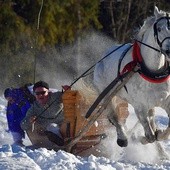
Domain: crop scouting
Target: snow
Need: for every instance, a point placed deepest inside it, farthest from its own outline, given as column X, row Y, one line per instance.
column 134, row 157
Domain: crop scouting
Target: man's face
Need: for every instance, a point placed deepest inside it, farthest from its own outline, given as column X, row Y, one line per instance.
column 41, row 94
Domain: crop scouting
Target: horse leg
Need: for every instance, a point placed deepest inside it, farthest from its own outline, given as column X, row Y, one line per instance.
column 159, row 134
column 117, row 116
column 148, row 125
column 164, row 134
column 151, row 115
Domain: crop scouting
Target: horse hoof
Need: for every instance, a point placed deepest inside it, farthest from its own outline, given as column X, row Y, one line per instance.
column 122, row 143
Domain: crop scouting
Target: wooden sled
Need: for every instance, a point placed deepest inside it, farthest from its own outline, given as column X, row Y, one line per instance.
column 75, row 108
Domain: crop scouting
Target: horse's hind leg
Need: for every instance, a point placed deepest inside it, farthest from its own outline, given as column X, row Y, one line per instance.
column 164, row 135
column 117, row 116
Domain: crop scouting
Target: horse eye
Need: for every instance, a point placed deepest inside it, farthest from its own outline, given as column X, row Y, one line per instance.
column 159, row 29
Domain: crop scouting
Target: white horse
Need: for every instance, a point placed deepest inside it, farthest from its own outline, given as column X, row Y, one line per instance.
column 147, row 88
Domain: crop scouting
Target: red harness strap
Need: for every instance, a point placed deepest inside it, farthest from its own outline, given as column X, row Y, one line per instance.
column 137, row 58
column 128, row 67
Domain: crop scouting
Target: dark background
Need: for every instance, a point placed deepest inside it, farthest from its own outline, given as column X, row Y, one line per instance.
column 57, row 40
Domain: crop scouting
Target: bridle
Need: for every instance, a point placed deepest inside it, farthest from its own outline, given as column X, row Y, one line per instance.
column 156, row 35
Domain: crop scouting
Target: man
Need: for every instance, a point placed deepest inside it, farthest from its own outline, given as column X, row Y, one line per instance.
column 44, row 118
column 17, row 107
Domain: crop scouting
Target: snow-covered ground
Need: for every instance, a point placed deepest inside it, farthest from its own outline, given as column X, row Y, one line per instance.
column 136, row 156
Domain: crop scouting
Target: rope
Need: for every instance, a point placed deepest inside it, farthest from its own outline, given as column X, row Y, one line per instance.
column 38, row 26
column 39, row 15
column 82, row 75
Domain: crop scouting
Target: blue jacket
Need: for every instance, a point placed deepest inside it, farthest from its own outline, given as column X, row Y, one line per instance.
column 16, row 111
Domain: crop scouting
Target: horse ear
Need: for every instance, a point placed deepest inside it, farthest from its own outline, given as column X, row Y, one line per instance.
column 156, row 12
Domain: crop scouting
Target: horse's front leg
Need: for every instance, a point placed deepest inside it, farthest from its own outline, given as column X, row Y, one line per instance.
column 117, row 116
column 121, row 135
column 148, row 124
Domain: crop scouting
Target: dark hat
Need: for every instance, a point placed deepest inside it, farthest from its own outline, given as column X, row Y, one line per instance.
column 40, row 84
column 8, row 92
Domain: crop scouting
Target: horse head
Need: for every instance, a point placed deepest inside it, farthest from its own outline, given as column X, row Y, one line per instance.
column 161, row 28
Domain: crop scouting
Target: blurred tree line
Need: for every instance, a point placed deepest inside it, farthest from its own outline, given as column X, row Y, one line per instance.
column 32, row 29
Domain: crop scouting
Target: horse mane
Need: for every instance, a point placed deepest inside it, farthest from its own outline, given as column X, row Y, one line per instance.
column 147, row 24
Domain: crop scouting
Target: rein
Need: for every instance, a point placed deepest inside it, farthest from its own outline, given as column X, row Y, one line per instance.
column 82, row 75
column 148, row 46
column 39, row 115
column 85, row 73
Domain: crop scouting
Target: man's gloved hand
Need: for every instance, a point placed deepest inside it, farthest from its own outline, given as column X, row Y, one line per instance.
column 66, row 87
